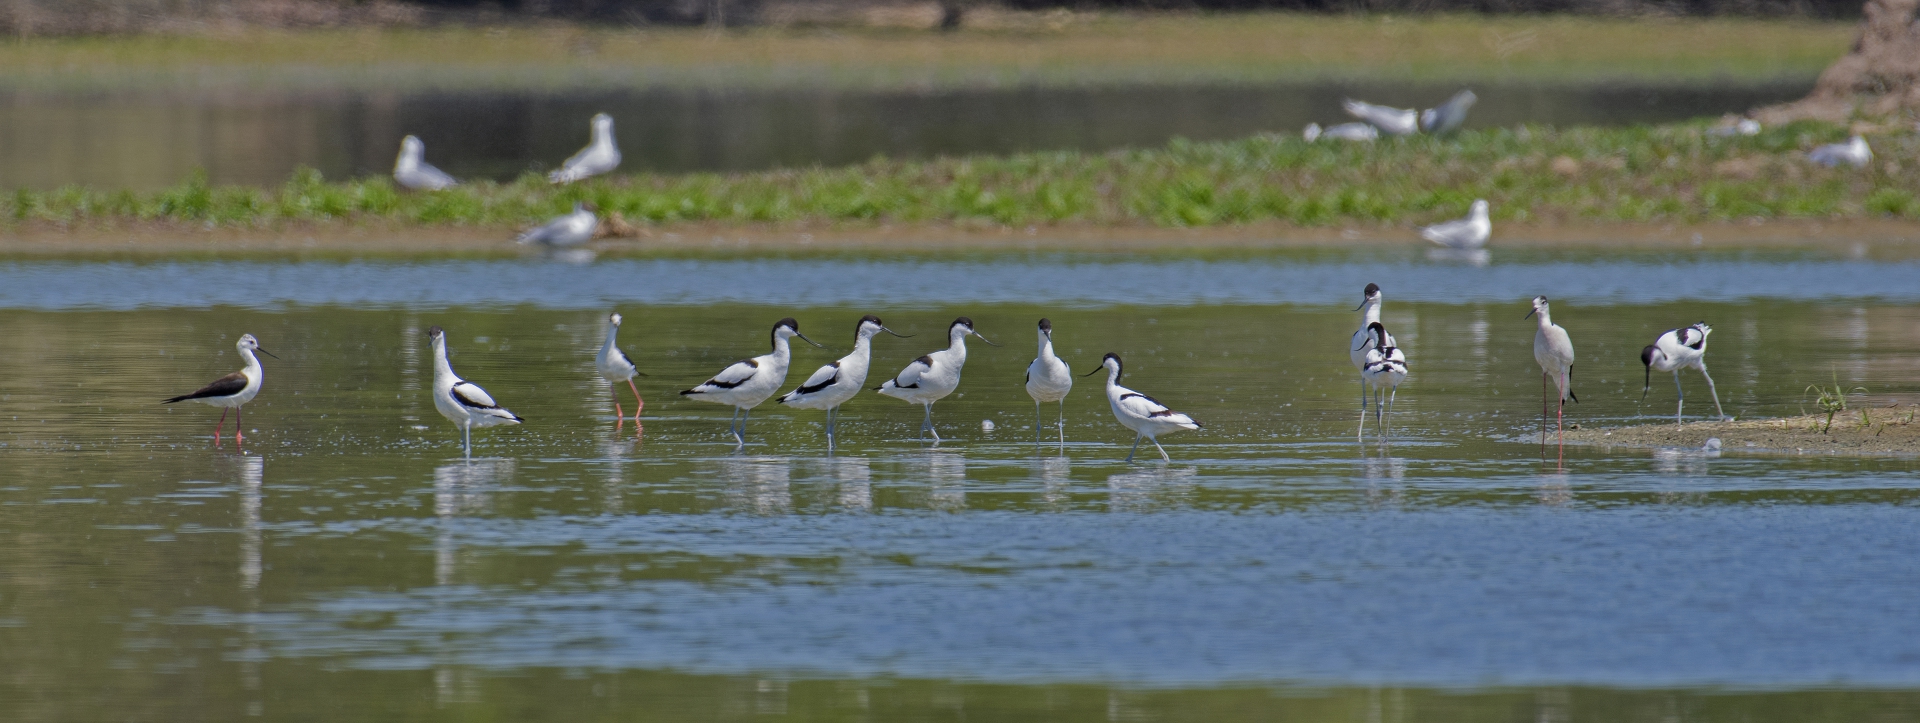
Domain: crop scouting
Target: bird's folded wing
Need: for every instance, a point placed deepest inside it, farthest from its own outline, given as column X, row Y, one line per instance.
column 472, row 395
column 732, row 376
column 226, row 386
column 910, row 377
column 821, row 378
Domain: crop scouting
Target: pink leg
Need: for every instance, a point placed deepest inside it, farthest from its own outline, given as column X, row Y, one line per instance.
column 638, row 403
column 220, row 426
column 619, row 415
column 236, row 425
column 1546, row 388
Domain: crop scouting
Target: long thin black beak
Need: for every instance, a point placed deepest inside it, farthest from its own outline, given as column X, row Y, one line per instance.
column 263, row 351
column 988, row 341
column 1096, row 370
column 895, row 333
column 1362, row 305
column 1530, row 314
column 803, row 337
column 1648, row 385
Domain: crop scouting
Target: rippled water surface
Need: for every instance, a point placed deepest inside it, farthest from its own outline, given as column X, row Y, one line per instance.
column 348, row 564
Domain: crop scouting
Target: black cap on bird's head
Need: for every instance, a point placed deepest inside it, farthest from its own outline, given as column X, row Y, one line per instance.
column 1046, row 325
column 1110, row 357
column 1539, row 302
column 867, row 318
column 861, row 327
column 434, row 332
column 968, row 323
column 792, row 327
column 1371, row 292
column 1646, row 358
column 962, row 321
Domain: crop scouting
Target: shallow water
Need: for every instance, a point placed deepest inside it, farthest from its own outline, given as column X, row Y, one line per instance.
column 347, row 564
column 136, row 140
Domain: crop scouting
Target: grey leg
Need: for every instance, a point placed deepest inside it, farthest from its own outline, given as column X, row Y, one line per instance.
column 1363, row 411
column 1136, row 447
column 1682, row 404
column 930, row 428
column 1163, row 450
column 1390, row 396
column 741, row 437
column 1036, row 422
column 733, row 423
column 1716, row 393
column 466, row 439
column 1063, row 424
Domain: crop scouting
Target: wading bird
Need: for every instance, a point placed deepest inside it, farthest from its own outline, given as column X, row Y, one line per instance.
column 616, row 367
column 1447, row 117
column 1466, row 234
column 233, row 390
column 1363, row 341
column 1553, row 349
column 1675, row 350
column 1392, row 121
column 412, row 171
column 1854, row 153
column 744, row 384
column 1386, row 367
column 832, row 385
column 1147, row 417
column 600, row 155
column 571, row 229
column 1048, row 380
column 462, row 401
column 932, row 377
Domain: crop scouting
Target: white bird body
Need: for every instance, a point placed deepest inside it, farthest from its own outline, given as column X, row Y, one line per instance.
column 744, row 384
column 1362, row 340
column 1311, row 133
column 1854, row 153
column 1392, row 121
column 1742, row 127
column 233, row 390
column 1553, row 350
column 931, row 378
column 600, row 155
column 460, row 401
column 615, row 367
column 1385, row 368
column 571, row 229
column 1679, row 349
column 1448, row 116
column 837, row 383
column 1048, row 380
column 1361, row 132
column 1147, row 417
column 411, row 170
column 1464, row 234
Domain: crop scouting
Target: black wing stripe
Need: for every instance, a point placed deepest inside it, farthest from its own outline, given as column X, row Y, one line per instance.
column 465, row 400
column 226, row 386
column 823, row 385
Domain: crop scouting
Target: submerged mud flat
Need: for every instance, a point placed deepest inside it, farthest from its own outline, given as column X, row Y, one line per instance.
column 1879, row 431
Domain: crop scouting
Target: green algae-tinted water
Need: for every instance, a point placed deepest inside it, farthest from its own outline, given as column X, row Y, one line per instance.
column 348, row 564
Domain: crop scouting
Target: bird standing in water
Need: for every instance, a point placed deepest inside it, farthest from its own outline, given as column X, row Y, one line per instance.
column 233, row 390
column 1048, row 380
column 615, row 367
column 1675, row 350
column 1553, row 349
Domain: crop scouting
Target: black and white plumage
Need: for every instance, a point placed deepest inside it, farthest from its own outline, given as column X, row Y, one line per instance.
column 460, row 401
column 1675, row 350
column 1048, row 380
column 744, row 384
column 1853, row 153
column 1553, row 349
column 600, row 156
column 233, row 390
column 1466, row 234
column 412, row 171
column 932, row 377
column 615, row 367
column 571, row 229
column 1146, row 416
column 1362, row 340
column 1386, row 367
column 1391, row 121
column 837, row 383
column 1447, row 117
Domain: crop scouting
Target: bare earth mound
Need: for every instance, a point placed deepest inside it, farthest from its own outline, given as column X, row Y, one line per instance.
column 1882, row 431
column 1879, row 77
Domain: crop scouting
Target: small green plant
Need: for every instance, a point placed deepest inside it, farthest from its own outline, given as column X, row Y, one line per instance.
column 1833, row 399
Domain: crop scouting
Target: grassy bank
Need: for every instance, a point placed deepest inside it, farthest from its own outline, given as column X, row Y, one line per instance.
column 1023, row 49
column 1678, row 173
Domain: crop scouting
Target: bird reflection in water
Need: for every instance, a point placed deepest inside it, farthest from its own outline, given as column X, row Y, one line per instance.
column 1149, row 489
column 946, row 481
column 614, row 489
column 853, row 482
column 761, row 485
column 462, row 489
column 1555, row 488
column 1381, row 479
column 1476, row 258
column 1056, row 481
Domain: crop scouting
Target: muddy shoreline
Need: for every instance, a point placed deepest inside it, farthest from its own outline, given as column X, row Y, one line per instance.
column 1879, row 431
